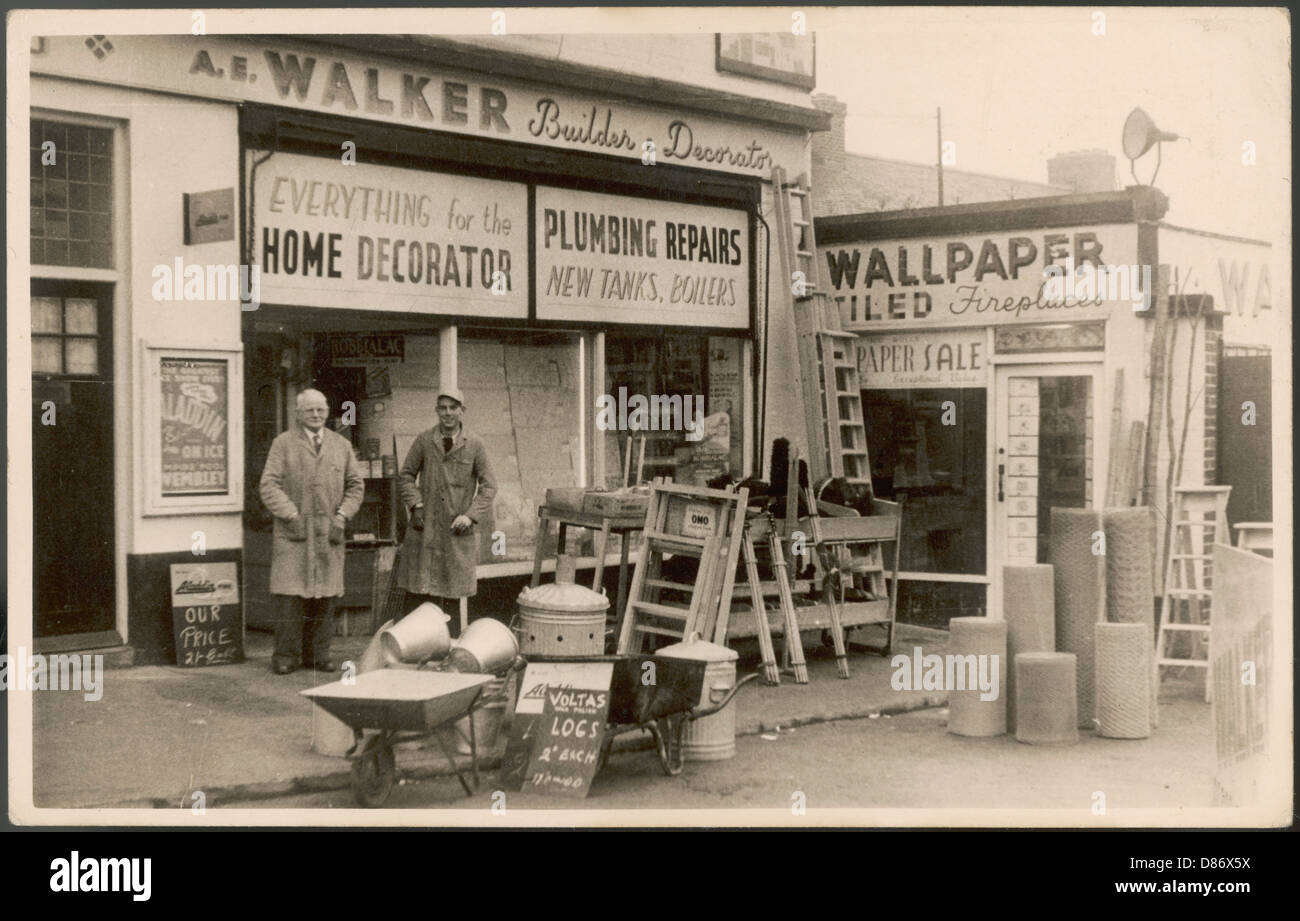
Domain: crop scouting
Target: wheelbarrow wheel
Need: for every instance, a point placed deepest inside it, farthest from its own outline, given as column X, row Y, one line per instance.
column 373, row 774
column 668, row 732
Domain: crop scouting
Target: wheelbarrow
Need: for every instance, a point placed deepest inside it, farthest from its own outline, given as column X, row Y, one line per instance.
column 402, row 705
column 662, row 706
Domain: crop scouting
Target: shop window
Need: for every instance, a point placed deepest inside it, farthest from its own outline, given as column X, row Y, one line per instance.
column 692, row 422
column 927, row 449
column 71, row 194
column 65, row 336
column 524, row 394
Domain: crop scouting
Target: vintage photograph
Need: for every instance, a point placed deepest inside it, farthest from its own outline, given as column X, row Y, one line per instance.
column 782, row 416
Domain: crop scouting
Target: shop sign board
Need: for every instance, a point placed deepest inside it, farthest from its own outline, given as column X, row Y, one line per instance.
column 939, row 358
column 617, row 259
column 368, row 237
column 344, row 83
column 985, row 279
column 1235, row 272
column 363, row 350
column 207, row 616
column 558, row 726
column 192, row 430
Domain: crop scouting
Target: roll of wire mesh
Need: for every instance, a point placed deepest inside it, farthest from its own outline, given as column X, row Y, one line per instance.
column 1076, row 553
column 1029, row 609
column 1123, row 680
column 977, row 653
column 1130, row 545
column 1046, row 706
column 1130, row 567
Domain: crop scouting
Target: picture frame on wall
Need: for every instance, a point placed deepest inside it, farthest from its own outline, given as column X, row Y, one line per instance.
column 781, row 57
column 193, row 430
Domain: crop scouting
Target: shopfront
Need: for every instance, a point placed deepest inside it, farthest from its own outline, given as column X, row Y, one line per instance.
column 1003, row 352
column 397, row 227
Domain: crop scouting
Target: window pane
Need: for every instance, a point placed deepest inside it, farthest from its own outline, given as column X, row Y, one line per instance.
column 938, row 469
column 47, row 355
column 82, row 316
column 78, row 167
column 56, row 194
column 83, row 356
column 46, row 315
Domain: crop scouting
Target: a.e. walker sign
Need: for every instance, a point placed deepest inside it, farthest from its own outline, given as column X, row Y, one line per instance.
column 247, row 70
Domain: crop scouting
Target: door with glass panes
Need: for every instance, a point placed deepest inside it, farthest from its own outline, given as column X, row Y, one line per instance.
column 72, row 457
column 1047, row 453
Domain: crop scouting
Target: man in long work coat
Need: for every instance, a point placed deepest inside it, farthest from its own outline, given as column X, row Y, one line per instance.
column 454, row 491
column 312, row 484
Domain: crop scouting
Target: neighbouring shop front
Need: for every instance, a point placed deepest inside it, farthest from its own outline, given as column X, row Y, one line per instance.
column 411, row 226
column 991, row 396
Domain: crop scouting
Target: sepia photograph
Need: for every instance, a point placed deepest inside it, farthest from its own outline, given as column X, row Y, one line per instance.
column 796, row 417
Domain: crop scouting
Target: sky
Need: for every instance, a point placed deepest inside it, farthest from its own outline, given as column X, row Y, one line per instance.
column 1019, row 85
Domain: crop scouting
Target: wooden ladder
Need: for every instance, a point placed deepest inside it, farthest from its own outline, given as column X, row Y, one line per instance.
column 1185, row 605
column 718, row 552
column 831, row 390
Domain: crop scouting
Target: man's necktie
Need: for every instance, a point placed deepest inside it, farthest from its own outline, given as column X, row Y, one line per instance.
column 446, row 445
column 315, row 442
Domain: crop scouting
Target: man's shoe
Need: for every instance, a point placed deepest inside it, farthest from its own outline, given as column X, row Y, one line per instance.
column 326, row 666
column 283, row 668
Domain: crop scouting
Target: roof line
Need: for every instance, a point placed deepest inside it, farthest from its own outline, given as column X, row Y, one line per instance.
column 962, row 172
column 1217, row 236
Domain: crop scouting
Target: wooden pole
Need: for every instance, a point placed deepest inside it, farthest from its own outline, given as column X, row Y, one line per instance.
column 938, row 113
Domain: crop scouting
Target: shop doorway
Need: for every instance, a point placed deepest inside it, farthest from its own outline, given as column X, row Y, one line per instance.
column 72, row 460
column 1047, row 453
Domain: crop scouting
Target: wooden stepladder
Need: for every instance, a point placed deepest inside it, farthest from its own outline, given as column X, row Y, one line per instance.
column 706, row 525
column 1200, row 520
column 767, row 531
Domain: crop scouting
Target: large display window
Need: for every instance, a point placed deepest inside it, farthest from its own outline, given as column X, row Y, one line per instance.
column 683, row 395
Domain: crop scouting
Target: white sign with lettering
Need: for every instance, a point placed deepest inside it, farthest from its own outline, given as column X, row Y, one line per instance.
column 614, row 259
column 368, row 237
column 946, row 358
column 441, row 99
column 986, row 279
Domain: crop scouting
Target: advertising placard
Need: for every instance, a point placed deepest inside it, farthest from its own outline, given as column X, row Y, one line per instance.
column 368, row 237
column 617, row 259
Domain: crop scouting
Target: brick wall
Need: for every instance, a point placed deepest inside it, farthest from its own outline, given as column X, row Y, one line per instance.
column 1213, row 352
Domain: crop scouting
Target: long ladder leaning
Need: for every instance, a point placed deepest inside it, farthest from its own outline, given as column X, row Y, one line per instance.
column 1185, row 605
column 832, row 391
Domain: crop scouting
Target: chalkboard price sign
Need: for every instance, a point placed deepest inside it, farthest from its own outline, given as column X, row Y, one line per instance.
column 207, row 618
column 566, row 752
column 559, row 725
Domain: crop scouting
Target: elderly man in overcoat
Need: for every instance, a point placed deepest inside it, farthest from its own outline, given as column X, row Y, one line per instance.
column 312, row 484
column 447, row 485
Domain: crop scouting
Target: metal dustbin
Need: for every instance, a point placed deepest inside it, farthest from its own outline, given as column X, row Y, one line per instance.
column 561, row 619
column 709, row 738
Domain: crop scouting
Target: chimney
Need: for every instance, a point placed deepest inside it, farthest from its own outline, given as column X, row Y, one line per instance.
column 828, row 146
column 1083, row 171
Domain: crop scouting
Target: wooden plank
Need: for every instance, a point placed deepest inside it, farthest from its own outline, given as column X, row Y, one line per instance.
column 1114, row 482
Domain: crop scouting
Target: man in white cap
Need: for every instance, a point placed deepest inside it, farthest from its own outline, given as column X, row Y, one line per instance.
column 447, row 485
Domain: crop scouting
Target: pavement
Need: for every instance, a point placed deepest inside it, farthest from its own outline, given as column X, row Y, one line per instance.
column 238, row 732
